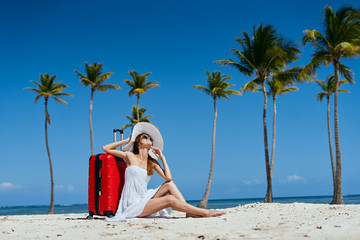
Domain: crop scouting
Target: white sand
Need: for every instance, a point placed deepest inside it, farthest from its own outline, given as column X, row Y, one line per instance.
column 252, row 221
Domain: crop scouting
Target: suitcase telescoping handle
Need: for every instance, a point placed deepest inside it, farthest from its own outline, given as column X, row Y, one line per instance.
column 121, row 135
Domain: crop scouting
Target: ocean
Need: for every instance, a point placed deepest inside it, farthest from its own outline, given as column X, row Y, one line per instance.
column 213, row 204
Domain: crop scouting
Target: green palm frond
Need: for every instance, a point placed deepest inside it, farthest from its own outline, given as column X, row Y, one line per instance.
column 236, row 66
column 343, row 90
column 292, row 75
column 243, row 57
column 139, row 84
column 347, row 73
column 34, row 90
column 288, row 90
column 312, row 36
column 261, row 54
column 133, row 117
column 60, row 100
column 95, row 78
column 102, row 78
column 151, row 83
column 37, row 98
column 128, row 117
column 282, row 82
column 204, row 89
column 318, row 58
column 86, row 82
column 47, row 88
column 148, row 86
column 320, row 96
column 130, row 83
column 39, row 85
column 217, row 86
column 106, row 87
column 339, row 39
column 253, row 86
column 79, row 74
column 328, row 87
column 346, row 48
column 275, row 59
column 126, row 126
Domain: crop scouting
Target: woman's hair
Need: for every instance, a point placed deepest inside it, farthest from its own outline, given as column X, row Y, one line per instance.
column 150, row 160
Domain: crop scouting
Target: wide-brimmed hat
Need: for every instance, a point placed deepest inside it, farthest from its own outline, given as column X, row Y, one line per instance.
column 152, row 131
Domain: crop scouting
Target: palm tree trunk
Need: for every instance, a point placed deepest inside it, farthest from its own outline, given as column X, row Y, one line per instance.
column 137, row 108
column 90, row 122
column 47, row 119
column 268, row 197
column 337, row 198
column 204, row 200
column 273, row 144
column 330, row 142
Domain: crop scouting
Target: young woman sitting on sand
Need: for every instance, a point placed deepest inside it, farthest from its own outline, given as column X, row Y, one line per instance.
column 143, row 147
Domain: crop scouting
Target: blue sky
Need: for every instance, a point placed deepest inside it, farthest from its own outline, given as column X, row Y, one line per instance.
column 177, row 41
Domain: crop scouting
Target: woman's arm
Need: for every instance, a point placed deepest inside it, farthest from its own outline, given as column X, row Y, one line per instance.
column 164, row 173
column 111, row 148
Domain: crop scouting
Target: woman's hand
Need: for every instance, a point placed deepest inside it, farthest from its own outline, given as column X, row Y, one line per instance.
column 164, row 173
column 157, row 153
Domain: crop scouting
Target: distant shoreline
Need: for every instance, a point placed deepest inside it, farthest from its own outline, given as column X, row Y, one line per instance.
column 212, row 204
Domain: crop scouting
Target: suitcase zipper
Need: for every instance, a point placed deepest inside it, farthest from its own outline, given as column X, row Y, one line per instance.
column 98, row 166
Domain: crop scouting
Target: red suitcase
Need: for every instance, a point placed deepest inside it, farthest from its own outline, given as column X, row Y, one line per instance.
column 106, row 181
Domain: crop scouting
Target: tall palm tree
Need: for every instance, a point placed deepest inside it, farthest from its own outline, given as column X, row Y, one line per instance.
column 139, row 85
column 216, row 88
column 261, row 55
column 328, row 88
column 340, row 39
column 95, row 78
column 133, row 118
column 47, row 88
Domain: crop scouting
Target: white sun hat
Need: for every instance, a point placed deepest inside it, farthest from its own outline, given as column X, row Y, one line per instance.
column 152, row 131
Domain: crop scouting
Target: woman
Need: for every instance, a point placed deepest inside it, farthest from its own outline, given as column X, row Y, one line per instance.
column 143, row 147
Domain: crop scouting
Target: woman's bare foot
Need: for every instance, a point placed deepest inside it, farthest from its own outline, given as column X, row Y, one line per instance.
column 211, row 213
column 215, row 213
column 192, row 215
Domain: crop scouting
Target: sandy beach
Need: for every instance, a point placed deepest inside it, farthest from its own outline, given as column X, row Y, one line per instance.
column 251, row 221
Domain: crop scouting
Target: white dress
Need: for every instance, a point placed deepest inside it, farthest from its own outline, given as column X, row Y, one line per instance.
column 135, row 195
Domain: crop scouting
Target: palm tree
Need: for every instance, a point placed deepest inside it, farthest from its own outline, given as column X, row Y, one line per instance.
column 47, row 88
column 133, row 117
column 262, row 54
column 216, row 88
column 280, row 83
column 139, row 85
column 340, row 39
column 327, row 88
column 95, row 78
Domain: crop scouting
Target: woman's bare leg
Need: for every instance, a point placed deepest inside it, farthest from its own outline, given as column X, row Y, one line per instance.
column 156, row 204
column 171, row 188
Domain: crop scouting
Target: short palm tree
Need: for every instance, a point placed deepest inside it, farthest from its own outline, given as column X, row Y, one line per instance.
column 139, row 85
column 47, row 89
column 95, row 78
column 340, row 39
column 133, row 118
column 216, row 88
column 280, row 84
column 261, row 55
column 328, row 88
